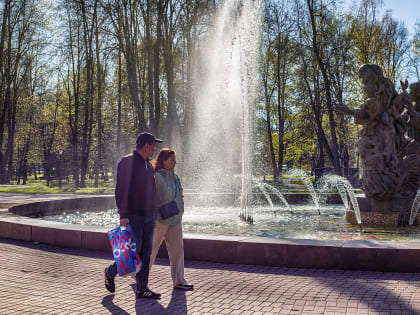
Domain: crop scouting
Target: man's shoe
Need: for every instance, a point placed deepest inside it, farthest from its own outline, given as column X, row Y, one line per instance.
column 109, row 283
column 148, row 294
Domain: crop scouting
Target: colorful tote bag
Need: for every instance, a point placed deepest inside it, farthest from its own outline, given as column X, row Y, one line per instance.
column 123, row 247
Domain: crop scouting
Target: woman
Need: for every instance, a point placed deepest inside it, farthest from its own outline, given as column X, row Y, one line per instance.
column 169, row 191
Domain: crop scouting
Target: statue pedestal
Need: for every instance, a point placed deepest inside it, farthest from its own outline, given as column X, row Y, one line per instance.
column 392, row 212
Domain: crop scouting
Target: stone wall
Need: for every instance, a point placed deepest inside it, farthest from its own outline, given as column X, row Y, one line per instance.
column 50, row 207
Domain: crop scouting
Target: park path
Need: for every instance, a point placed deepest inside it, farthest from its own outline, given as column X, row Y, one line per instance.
column 41, row 279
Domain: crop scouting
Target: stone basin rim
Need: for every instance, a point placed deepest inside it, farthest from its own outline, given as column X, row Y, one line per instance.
column 282, row 252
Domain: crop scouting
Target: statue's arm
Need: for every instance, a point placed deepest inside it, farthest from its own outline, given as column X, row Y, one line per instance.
column 360, row 116
column 346, row 110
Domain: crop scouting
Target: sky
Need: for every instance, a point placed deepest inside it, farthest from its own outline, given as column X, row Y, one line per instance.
column 402, row 10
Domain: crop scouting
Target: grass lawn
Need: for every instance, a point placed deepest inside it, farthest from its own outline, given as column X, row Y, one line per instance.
column 39, row 186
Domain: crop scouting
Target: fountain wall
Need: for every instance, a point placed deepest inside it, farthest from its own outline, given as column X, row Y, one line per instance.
column 293, row 253
column 394, row 212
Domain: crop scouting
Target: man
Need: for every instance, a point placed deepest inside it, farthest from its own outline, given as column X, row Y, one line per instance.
column 135, row 194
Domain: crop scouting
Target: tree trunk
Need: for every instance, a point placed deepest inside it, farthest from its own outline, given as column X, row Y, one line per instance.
column 281, row 84
column 267, row 97
column 125, row 20
column 150, row 73
column 7, row 109
column 157, row 47
column 88, row 102
column 74, row 118
column 24, row 164
column 3, row 107
column 189, row 102
column 334, row 143
column 11, row 126
column 172, row 116
column 270, row 141
column 99, row 163
column 314, row 98
column 119, row 110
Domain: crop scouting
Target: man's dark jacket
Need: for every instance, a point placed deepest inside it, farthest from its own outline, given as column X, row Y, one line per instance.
column 135, row 192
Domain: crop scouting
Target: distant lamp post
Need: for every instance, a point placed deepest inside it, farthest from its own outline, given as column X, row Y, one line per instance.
column 60, row 153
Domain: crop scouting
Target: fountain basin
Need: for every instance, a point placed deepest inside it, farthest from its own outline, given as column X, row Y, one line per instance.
column 283, row 252
column 393, row 212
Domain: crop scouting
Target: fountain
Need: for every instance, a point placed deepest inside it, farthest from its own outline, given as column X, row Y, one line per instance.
column 415, row 208
column 344, row 187
column 261, row 187
column 390, row 160
column 307, row 181
column 220, row 149
column 275, row 191
column 223, row 126
column 222, row 141
column 221, row 144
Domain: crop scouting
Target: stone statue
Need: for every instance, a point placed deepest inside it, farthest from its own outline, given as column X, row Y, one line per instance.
column 414, row 112
column 389, row 158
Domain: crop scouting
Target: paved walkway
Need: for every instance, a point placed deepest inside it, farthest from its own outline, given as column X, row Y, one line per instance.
column 37, row 278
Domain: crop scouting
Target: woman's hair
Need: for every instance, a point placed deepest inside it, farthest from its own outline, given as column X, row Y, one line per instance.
column 163, row 155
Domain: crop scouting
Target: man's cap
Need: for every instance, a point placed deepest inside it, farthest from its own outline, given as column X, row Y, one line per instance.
column 147, row 137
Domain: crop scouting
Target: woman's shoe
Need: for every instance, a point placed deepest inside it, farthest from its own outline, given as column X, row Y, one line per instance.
column 184, row 286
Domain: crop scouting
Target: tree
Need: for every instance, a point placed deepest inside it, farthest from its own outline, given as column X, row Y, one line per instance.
column 278, row 61
column 396, row 46
column 21, row 26
column 327, row 83
column 367, row 37
column 87, row 126
column 125, row 19
column 100, row 75
column 414, row 53
column 72, row 84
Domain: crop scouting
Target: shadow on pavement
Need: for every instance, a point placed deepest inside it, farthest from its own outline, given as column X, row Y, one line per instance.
column 316, row 273
column 112, row 308
column 177, row 305
column 366, row 287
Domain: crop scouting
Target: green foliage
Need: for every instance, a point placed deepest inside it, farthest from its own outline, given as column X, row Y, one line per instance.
column 299, row 140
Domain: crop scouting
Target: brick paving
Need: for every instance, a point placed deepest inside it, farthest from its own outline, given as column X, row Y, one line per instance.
column 41, row 279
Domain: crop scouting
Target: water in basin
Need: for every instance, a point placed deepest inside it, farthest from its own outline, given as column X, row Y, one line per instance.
column 303, row 222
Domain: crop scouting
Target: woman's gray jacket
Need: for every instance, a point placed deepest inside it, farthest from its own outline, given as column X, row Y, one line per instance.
column 168, row 189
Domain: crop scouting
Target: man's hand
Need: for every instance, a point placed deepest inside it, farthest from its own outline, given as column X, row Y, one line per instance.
column 124, row 222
